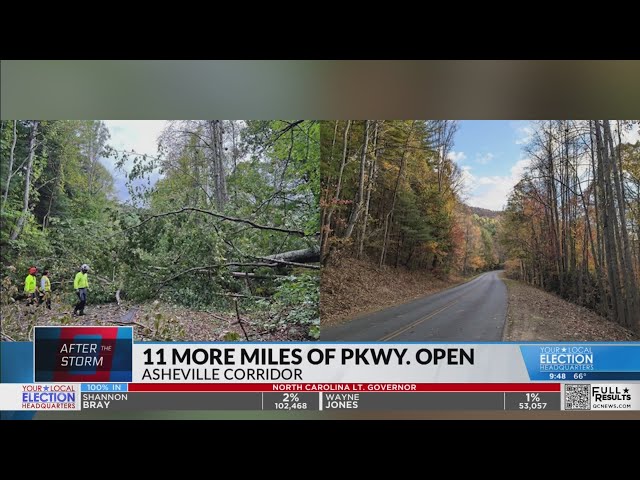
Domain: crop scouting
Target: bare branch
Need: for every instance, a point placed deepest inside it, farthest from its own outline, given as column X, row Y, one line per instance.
column 282, row 131
column 214, row 267
column 223, row 217
column 293, row 264
column 240, row 320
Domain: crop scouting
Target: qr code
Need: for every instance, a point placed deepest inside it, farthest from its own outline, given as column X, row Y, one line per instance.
column 577, row 397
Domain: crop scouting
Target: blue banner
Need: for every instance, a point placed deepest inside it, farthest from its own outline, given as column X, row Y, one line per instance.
column 578, row 361
column 104, row 387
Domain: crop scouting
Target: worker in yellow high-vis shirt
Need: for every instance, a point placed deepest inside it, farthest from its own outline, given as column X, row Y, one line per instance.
column 81, row 284
column 30, row 287
column 45, row 289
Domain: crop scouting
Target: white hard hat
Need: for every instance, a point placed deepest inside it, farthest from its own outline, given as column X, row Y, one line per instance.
column 85, row 266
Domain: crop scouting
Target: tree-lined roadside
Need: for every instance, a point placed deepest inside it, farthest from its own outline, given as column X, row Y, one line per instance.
column 392, row 203
column 393, row 197
column 536, row 315
column 572, row 224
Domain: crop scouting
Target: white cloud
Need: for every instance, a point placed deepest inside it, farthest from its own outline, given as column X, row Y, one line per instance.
column 484, row 159
column 493, row 191
column 141, row 136
column 631, row 136
column 524, row 131
column 457, row 157
column 468, row 179
column 517, row 171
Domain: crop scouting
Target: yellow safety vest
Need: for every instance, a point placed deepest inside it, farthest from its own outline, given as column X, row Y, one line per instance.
column 30, row 284
column 80, row 281
column 47, row 283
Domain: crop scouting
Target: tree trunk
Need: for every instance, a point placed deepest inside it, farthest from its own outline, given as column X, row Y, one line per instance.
column 597, row 260
column 10, row 172
column 324, row 254
column 631, row 289
column 596, row 196
column 324, row 225
column 553, row 203
column 219, row 177
column 389, row 217
column 234, row 154
column 355, row 211
column 27, row 181
column 370, row 180
column 608, row 220
column 306, row 255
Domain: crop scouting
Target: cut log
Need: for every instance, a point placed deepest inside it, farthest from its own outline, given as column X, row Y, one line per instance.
column 253, row 275
column 307, row 255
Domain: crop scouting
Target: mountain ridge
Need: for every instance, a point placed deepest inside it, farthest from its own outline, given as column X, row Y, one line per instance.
column 484, row 212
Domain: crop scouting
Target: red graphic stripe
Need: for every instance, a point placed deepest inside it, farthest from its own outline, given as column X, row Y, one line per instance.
column 355, row 387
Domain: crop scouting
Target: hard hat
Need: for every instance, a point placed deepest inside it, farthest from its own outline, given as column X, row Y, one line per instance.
column 33, row 270
column 85, row 266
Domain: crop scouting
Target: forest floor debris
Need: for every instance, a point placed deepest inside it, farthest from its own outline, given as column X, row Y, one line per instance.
column 151, row 321
column 351, row 287
column 536, row 315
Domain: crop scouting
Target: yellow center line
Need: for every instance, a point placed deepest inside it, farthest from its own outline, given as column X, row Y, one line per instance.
column 418, row 322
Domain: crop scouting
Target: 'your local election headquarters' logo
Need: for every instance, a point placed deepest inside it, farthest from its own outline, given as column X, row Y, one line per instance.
column 49, row 397
column 568, row 358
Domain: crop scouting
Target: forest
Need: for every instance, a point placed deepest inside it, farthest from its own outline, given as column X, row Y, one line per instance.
column 572, row 223
column 217, row 240
column 392, row 195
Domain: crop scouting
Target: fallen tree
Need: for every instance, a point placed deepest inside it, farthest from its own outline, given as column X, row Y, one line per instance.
column 291, row 258
column 306, row 255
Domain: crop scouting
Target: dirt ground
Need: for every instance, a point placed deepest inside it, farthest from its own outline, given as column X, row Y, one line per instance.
column 151, row 321
column 534, row 314
column 351, row 287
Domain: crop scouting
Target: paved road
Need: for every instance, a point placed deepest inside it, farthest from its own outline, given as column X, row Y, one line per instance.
column 475, row 310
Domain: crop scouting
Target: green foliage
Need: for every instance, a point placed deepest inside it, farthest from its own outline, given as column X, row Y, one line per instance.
column 296, row 304
column 271, row 170
column 412, row 191
column 231, row 337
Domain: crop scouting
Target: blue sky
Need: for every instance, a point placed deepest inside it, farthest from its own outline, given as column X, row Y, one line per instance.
column 490, row 154
column 141, row 136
